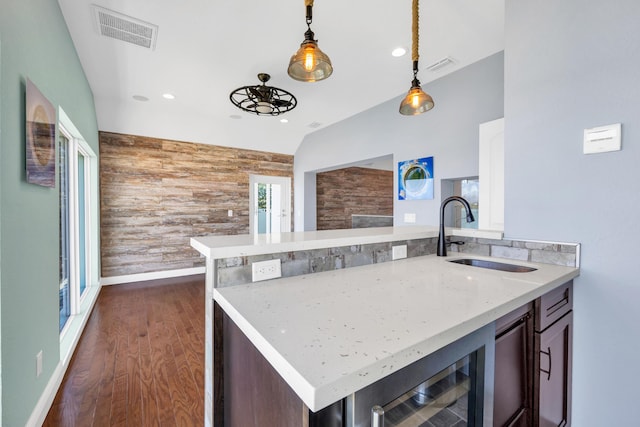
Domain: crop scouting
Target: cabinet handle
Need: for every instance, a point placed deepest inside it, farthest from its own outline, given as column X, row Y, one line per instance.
column 548, row 353
column 561, row 303
column 513, row 326
column 377, row 416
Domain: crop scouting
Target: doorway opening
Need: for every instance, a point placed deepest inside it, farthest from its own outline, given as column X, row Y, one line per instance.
column 355, row 195
column 270, row 204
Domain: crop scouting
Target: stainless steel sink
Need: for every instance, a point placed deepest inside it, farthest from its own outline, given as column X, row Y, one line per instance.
column 493, row 265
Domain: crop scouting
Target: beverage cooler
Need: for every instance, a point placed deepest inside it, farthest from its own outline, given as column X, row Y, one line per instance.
column 447, row 387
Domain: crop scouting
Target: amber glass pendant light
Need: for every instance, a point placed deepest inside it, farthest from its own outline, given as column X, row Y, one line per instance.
column 416, row 101
column 309, row 63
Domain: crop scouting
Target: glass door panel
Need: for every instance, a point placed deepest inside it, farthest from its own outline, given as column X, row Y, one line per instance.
column 269, row 208
column 82, row 222
column 270, row 201
column 442, row 400
column 64, row 256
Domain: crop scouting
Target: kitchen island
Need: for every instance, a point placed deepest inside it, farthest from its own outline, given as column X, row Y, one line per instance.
column 332, row 333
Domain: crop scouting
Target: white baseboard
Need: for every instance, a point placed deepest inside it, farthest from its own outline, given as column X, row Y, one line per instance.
column 41, row 409
column 46, row 398
column 141, row 277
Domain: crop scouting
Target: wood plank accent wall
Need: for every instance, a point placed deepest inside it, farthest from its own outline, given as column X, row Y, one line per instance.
column 343, row 192
column 156, row 194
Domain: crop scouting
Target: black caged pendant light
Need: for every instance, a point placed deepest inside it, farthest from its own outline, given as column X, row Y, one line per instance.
column 263, row 100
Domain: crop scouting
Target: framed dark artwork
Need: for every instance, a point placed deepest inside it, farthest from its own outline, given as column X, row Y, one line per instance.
column 41, row 138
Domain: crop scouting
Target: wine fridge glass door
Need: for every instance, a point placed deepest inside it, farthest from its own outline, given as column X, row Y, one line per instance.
column 441, row 400
column 452, row 386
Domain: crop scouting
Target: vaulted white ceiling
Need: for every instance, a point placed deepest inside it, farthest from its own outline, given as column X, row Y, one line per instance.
column 207, row 48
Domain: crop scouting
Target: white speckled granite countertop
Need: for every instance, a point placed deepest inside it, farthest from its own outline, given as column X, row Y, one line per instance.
column 330, row 334
column 217, row 247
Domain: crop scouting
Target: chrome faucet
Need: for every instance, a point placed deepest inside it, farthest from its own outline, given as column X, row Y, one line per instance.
column 442, row 244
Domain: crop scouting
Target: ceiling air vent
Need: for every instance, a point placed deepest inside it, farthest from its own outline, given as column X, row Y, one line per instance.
column 125, row 28
column 314, row 125
column 440, row 64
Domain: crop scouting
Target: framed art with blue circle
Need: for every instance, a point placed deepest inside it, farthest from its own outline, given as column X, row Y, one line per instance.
column 40, row 138
column 415, row 179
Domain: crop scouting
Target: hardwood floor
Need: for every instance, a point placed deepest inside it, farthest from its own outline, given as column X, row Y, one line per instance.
column 140, row 360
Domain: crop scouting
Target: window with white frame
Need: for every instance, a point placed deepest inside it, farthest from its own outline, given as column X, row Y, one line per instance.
column 77, row 178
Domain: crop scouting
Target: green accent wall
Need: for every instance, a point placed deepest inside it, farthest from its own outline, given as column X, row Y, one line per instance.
column 35, row 45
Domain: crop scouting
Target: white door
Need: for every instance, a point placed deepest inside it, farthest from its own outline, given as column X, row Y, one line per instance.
column 270, row 204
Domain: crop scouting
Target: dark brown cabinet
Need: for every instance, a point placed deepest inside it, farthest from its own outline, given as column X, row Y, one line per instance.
column 532, row 387
column 514, row 369
column 251, row 393
column 533, row 356
column 553, row 344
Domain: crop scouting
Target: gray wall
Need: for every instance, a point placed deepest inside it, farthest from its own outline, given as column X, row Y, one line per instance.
column 35, row 45
column 572, row 65
column 449, row 133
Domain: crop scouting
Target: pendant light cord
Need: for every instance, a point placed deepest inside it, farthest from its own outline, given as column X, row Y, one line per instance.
column 309, row 6
column 415, row 29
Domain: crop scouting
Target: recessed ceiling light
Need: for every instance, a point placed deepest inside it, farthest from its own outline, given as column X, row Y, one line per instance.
column 140, row 98
column 399, row 51
column 284, row 121
column 168, row 96
column 235, row 116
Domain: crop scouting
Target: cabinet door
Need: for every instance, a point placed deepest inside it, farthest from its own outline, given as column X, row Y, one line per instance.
column 513, row 383
column 553, row 376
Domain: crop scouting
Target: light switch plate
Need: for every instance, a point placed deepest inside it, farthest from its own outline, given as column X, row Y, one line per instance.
column 603, row 139
column 410, row 218
column 38, row 363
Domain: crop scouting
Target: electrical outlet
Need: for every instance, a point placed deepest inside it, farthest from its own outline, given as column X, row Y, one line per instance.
column 410, row 218
column 398, row 252
column 264, row 270
column 38, row 363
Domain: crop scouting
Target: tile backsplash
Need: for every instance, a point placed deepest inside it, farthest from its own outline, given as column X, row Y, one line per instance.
column 237, row 270
column 566, row 254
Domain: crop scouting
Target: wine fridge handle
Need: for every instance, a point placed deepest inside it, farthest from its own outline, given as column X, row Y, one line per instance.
column 377, row 416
